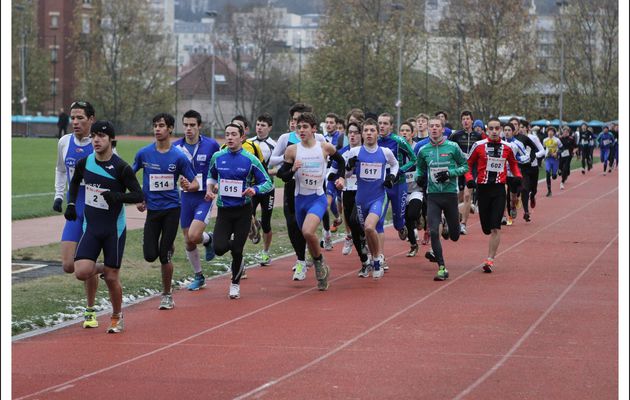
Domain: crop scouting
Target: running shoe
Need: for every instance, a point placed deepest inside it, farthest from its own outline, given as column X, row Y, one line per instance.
column 474, row 209
column 509, row 221
column 116, row 324
column 519, row 204
column 198, row 282
column 337, row 222
column 513, row 213
column 442, row 274
column 462, row 229
column 426, row 239
column 321, row 273
column 265, row 259
column 526, row 217
column 347, row 246
column 167, row 302
column 235, row 291
column 209, row 249
column 533, row 202
column 487, row 266
column 377, row 266
column 326, row 243
column 583, row 172
column 413, row 250
column 504, row 220
column 402, row 233
column 444, row 229
column 610, row 170
column 300, row 271
column 333, row 229
column 430, row 255
column 384, row 264
column 549, row 193
column 561, row 186
column 89, row 319
column 365, row 270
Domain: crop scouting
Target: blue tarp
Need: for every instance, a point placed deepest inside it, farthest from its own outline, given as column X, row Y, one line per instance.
column 576, row 124
column 596, row 124
column 34, row 119
column 540, row 122
column 556, row 122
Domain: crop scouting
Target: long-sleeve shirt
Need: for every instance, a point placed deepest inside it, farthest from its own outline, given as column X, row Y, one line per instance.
column 491, row 157
column 285, row 140
column 69, row 151
column 434, row 158
column 401, row 150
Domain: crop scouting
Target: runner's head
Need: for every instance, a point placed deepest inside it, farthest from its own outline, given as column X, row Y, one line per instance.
column 508, row 131
column 406, row 130
column 478, row 126
column 354, row 134
column 524, row 126
column 192, row 125
column 331, row 123
column 442, row 116
column 423, row 123
column 355, row 115
column 385, row 124
column 81, row 117
column 341, row 125
column 103, row 136
column 264, row 122
column 163, row 125
column 436, row 129
column 494, row 129
column 234, row 134
column 295, row 111
column 370, row 132
column 466, row 118
column 551, row 131
column 306, row 126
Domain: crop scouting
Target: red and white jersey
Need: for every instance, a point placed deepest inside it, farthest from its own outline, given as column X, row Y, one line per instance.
column 492, row 160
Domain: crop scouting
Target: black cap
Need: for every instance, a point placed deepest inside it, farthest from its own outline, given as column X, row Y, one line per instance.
column 105, row 127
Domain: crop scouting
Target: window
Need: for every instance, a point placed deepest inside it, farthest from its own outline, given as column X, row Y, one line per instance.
column 53, row 54
column 53, row 87
column 54, row 20
column 85, row 24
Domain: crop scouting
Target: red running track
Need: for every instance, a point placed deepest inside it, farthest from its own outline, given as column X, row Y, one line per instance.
column 543, row 326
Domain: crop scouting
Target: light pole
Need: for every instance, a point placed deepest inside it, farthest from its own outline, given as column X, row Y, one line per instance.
column 23, row 100
column 399, row 7
column 299, row 65
column 213, row 14
column 561, row 4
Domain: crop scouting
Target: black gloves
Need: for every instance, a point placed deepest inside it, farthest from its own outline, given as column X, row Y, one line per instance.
column 57, row 205
column 517, row 181
column 351, row 163
column 421, row 180
column 112, row 198
column 471, row 184
column 442, row 176
column 389, row 181
column 71, row 213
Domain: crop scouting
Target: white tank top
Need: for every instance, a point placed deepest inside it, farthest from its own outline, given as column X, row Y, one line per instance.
column 309, row 179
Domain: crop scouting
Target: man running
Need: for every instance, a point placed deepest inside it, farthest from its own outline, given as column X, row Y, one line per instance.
column 106, row 178
column 439, row 164
column 235, row 176
column 566, row 155
column 605, row 141
column 552, row 146
column 70, row 149
column 489, row 157
column 585, row 139
column 195, row 209
column 162, row 166
column 415, row 196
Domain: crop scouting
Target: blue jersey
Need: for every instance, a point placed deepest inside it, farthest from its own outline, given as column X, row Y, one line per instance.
column 233, row 172
column 605, row 140
column 161, row 172
column 370, row 170
column 332, row 139
column 199, row 156
column 73, row 155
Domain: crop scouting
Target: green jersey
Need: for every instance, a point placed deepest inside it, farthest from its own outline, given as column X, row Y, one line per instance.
column 444, row 156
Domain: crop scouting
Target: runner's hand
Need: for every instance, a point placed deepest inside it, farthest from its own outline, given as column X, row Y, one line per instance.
column 57, row 205
column 351, row 163
column 249, row 192
column 471, row 184
column 340, row 183
column 111, row 198
column 141, row 206
column 71, row 212
column 421, row 180
column 442, row 176
column 389, row 181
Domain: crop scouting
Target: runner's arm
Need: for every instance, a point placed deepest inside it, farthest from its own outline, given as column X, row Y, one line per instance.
column 60, row 169
column 391, row 161
column 277, row 156
column 73, row 188
column 130, row 181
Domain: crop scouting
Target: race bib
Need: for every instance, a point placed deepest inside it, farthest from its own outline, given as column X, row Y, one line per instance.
column 371, row 170
column 231, row 188
column 565, row 153
column 94, row 197
column 606, row 142
column 199, row 179
column 351, row 183
column 495, row 164
column 436, row 170
column 409, row 176
column 311, row 175
column 161, row 182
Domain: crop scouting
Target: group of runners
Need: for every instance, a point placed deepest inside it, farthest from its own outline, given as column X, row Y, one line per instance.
column 432, row 177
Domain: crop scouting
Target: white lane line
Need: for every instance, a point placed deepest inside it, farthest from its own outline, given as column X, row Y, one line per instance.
column 33, row 267
column 533, row 327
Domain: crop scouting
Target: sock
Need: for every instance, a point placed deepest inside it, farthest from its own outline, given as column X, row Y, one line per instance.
column 206, row 238
column 193, row 257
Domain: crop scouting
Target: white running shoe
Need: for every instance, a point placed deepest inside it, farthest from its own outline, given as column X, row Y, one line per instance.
column 384, row 265
column 235, row 291
column 347, row 246
column 561, row 186
column 300, row 271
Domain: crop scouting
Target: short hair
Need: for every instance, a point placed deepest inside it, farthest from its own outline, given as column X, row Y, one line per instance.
column 524, row 122
column 388, row 115
column 308, row 117
column 356, row 125
column 422, row 115
column 466, row 112
column 551, row 128
column 85, row 106
column 356, row 113
column 436, row 118
column 511, row 126
column 332, row 115
column 301, row 108
column 407, row 122
column 242, row 119
column 494, row 119
column 265, row 117
column 437, row 114
column 169, row 120
column 192, row 114
column 341, row 122
column 369, row 121
column 241, row 131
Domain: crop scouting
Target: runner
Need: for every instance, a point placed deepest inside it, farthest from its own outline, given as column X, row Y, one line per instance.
column 465, row 138
column 605, row 141
column 586, row 137
column 307, row 161
column 513, row 183
column 529, row 169
column 448, row 129
column 235, row 176
column 439, row 164
column 376, row 168
column 195, row 209
column 566, row 155
column 332, row 136
column 106, row 178
column 264, row 123
column 413, row 209
column 162, row 166
column 552, row 146
column 614, row 155
column 422, row 121
column 489, row 158
column 71, row 148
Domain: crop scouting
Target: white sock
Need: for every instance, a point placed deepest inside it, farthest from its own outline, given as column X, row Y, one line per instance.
column 193, row 257
column 206, row 238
